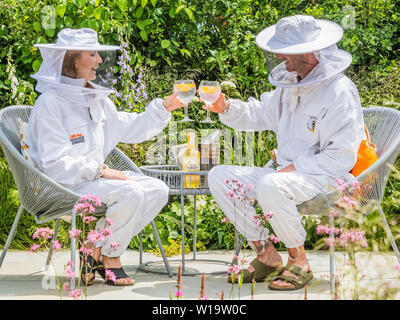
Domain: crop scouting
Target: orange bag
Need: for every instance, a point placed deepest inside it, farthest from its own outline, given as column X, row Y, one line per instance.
column 366, row 155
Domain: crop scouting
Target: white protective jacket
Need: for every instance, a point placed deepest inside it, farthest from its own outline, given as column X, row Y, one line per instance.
column 68, row 140
column 318, row 128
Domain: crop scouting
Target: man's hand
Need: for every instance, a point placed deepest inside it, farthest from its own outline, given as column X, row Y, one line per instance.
column 109, row 173
column 218, row 106
column 172, row 102
column 289, row 168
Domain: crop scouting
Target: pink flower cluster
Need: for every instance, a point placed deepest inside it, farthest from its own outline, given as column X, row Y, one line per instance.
column 233, row 269
column 110, row 276
column 43, row 233
column 274, row 239
column 238, row 191
column 261, row 221
column 343, row 237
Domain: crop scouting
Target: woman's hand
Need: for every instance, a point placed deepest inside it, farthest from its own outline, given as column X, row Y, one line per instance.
column 109, row 173
column 288, row 168
column 218, row 106
column 172, row 102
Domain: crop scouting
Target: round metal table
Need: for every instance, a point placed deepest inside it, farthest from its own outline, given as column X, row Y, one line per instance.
column 176, row 181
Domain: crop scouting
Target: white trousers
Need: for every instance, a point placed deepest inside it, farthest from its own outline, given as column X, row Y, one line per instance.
column 278, row 192
column 132, row 205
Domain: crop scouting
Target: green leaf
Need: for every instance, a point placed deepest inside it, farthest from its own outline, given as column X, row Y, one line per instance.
column 93, row 24
column 139, row 12
column 36, row 65
column 144, row 2
column 97, row 13
column 143, row 35
column 68, row 21
column 173, row 235
column 60, row 10
column 189, row 13
column 182, row 6
column 153, row 2
column 165, row 44
column 37, row 26
column 172, row 12
column 50, row 32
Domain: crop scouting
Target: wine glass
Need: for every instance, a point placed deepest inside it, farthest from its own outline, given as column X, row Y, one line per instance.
column 186, row 91
column 209, row 92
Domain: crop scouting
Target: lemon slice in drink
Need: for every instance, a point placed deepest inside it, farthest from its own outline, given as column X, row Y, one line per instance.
column 184, row 87
column 209, row 89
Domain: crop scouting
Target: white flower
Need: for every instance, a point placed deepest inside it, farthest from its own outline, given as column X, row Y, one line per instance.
column 228, row 83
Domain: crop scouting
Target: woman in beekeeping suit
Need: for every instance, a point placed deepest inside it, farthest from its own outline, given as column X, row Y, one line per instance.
column 316, row 115
column 73, row 127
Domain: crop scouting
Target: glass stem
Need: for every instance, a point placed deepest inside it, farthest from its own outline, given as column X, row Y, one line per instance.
column 186, row 110
column 208, row 112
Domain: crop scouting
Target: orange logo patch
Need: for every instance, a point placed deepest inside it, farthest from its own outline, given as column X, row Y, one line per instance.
column 77, row 138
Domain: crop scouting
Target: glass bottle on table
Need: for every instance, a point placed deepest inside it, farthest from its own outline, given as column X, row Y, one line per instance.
column 209, row 92
column 186, row 91
column 191, row 162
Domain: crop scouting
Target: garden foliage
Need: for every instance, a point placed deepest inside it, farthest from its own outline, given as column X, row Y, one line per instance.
column 167, row 40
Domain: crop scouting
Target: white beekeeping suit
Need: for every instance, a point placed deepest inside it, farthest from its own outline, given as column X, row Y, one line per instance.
column 318, row 123
column 73, row 128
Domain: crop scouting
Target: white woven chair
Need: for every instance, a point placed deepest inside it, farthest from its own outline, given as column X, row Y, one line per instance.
column 384, row 128
column 41, row 196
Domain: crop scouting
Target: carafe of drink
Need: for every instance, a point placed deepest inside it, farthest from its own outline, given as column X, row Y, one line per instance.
column 191, row 162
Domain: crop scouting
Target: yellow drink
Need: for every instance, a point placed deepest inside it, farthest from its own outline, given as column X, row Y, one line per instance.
column 191, row 162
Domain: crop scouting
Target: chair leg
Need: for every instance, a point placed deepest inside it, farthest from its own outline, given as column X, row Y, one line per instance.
column 50, row 254
column 140, row 248
column 332, row 257
column 155, row 231
column 12, row 233
column 73, row 243
column 389, row 233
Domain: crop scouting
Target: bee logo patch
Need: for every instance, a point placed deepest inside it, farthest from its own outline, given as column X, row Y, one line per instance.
column 311, row 123
column 77, row 138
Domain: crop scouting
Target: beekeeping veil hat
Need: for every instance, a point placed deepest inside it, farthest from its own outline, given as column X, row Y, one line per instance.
column 49, row 76
column 301, row 34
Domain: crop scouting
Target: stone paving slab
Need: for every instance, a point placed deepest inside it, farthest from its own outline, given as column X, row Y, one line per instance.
column 22, row 277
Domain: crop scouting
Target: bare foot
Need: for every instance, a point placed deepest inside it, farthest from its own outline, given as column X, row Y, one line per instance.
column 116, row 263
column 300, row 260
column 270, row 257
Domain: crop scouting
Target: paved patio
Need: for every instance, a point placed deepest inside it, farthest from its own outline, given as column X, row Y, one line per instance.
column 22, row 277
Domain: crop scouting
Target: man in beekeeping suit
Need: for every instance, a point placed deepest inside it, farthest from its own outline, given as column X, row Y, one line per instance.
column 316, row 114
column 74, row 125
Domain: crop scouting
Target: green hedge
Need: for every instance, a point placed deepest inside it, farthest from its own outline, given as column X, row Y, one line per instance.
column 171, row 39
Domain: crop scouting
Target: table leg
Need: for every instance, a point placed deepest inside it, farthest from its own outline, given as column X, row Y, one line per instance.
column 183, row 231
column 194, row 227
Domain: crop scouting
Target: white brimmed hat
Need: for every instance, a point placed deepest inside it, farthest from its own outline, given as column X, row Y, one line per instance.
column 299, row 34
column 49, row 74
column 83, row 39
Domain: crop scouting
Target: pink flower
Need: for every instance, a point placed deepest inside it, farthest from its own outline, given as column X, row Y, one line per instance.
column 74, row 233
column 109, row 222
column 225, row 220
column 34, row 247
column 233, row 269
column 203, row 298
column 69, row 273
column 178, row 294
column 76, row 294
column 94, row 236
column 66, row 286
column 341, row 184
column 85, row 251
column 70, row 263
column 330, row 242
column 356, row 185
column 268, row 215
column 92, row 198
column 110, row 275
column 235, row 257
column 114, row 244
column 397, row 267
column 274, row 239
column 89, row 219
column 43, row 233
column 106, row 232
column 243, row 261
column 56, row 245
column 347, row 201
